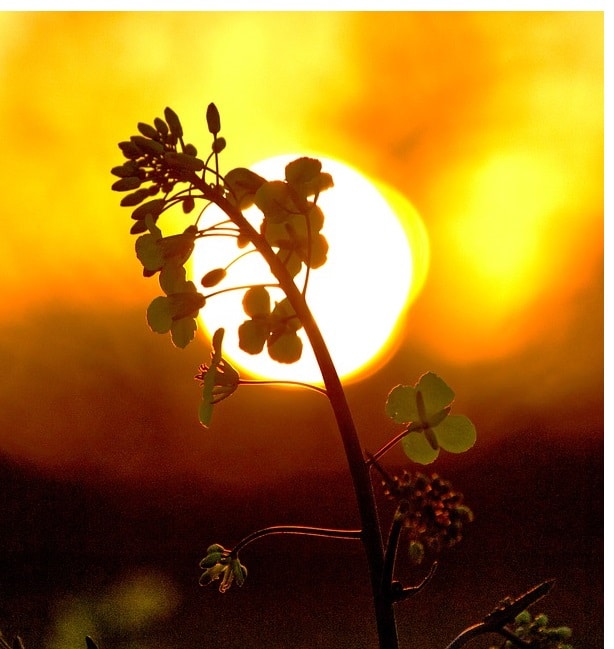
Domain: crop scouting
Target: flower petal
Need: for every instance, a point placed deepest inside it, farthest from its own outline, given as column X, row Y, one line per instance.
column 436, row 393
column 456, row 434
column 418, row 449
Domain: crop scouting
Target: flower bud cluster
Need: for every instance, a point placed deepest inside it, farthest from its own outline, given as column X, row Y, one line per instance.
column 156, row 159
column 433, row 512
column 536, row 633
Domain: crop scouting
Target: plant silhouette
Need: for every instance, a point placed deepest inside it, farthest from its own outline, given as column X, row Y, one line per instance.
column 162, row 172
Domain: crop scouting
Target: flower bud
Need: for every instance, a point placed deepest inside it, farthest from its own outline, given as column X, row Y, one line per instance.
column 173, row 122
column 213, row 119
column 213, row 277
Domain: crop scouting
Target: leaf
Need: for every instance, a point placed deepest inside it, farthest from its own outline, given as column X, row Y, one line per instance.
column 401, row 404
column 285, row 313
column 426, row 402
column 252, row 336
column 416, row 447
column 148, row 252
column 172, row 278
column 186, row 303
column 306, row 177
column 288, row 348
column 159, row 316
column 303, row 170
column 435, row 392
column 183, row 331
column 456, row 434
column 257, row 301
column 274, row 200
column 243, row 184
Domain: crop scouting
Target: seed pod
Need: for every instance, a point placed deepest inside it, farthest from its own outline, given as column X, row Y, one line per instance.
column 213, row 277
column 173, row 122
column 213, row 119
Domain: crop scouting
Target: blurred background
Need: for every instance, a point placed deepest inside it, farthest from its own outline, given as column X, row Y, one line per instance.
column 491, row 124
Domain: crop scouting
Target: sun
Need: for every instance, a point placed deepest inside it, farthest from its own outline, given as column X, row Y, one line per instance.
column 376, row 264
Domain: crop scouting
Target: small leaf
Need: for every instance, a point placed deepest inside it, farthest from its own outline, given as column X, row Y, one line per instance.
column 303, row 170
column 159, row 316
column 435, row 392
column 243, row 185
column 274, row 200
column 257, row 301
column 183, row 331
column 417, row 448
column 287, row 349
column 456, row 434
column 213, row 119
column 401, row 404
column 252, row 336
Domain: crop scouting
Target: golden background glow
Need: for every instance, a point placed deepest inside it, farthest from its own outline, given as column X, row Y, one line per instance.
column 491, row 124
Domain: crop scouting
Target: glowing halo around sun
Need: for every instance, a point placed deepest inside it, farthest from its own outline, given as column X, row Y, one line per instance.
column 376, row 265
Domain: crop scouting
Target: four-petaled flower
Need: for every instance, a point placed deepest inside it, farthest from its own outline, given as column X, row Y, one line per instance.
column 425, row 408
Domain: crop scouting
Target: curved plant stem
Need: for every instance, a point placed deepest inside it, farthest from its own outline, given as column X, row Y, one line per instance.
column 296, row 529
column 298, row 384
column 371, row 535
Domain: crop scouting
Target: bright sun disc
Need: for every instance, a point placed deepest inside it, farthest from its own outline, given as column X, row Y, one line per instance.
column 376, row 264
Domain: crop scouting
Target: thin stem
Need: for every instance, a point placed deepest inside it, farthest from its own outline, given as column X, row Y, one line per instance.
column 392, row 545
column 299, row 384
column 395, row 440
column 296, row 529
column 239, row 288
column 372, row 540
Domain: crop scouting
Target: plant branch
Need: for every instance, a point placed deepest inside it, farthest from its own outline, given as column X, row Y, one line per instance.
column 296, row 529
column 372, row 540
column 496, row 620
column 299, row 384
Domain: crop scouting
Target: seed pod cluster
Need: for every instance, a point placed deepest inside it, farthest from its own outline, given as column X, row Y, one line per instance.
column 156, row 159
column 434, row 513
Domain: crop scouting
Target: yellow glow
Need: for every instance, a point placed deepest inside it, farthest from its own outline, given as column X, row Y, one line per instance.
column 358, row 297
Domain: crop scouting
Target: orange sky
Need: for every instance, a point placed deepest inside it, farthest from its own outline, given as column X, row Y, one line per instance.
column 491, row 124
